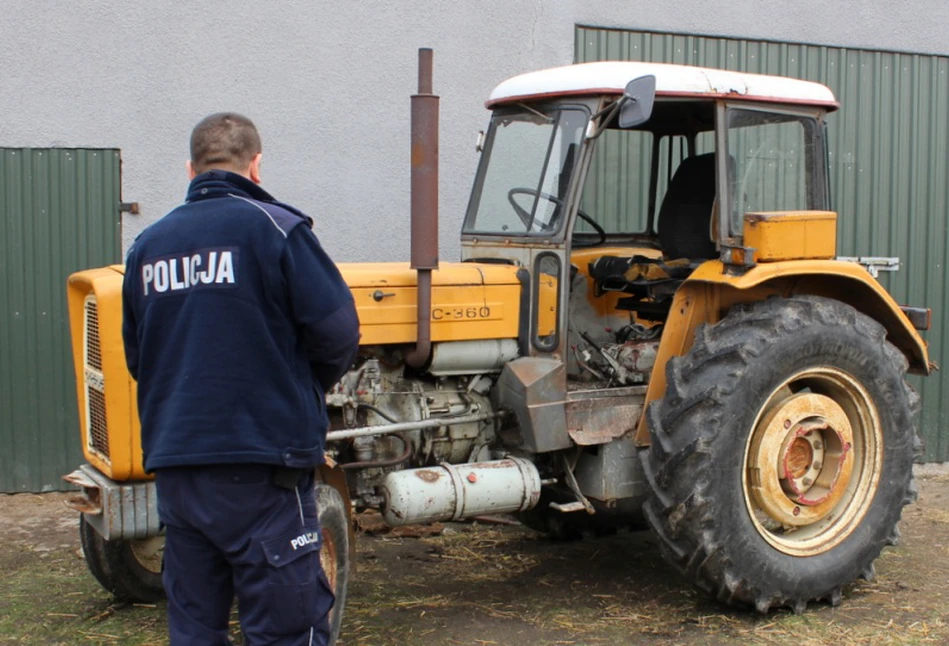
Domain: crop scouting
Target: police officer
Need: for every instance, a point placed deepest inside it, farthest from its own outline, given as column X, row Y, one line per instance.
column 236, row 323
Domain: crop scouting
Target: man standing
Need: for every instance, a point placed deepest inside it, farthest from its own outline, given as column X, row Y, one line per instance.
column 236, row 322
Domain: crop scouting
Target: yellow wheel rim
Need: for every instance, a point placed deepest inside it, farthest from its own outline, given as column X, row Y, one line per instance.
column 328, row 559
column 812, row 461
column 148, row 552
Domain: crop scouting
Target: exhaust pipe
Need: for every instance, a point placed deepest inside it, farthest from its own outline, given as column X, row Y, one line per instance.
column 424, row 203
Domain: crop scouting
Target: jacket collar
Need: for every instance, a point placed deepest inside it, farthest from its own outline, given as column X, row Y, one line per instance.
column 220, row 183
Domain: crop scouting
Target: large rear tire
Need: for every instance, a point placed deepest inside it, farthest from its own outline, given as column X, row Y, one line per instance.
column 782, row 453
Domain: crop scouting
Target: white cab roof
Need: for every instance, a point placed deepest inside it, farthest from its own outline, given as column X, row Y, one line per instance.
column 611, row 77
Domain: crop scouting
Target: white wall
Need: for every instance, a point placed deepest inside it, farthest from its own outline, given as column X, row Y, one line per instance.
column 328, row 84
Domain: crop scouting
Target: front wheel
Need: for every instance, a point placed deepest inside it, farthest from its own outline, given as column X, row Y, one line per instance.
column 129, row 569
column 782, row 452
column 334, row 555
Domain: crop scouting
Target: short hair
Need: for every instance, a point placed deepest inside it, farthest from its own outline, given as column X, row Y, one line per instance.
column 224, row 140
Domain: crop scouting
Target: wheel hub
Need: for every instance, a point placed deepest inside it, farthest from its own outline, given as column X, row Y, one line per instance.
column 801, row 460
column 328, row 558
column 148, row 552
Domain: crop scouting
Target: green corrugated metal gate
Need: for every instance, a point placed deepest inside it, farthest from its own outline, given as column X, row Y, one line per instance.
column 889, row 157
column 59, row 212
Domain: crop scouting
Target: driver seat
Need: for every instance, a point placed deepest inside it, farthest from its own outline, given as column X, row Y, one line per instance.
column 685, row 216
column 684, row 228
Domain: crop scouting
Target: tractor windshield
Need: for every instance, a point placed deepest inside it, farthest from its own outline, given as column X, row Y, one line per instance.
column 528, row 160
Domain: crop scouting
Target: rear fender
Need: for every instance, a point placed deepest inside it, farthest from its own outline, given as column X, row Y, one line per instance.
column 708, row 294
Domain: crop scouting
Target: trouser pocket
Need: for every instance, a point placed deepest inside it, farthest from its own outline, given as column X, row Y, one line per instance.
column 299, row 596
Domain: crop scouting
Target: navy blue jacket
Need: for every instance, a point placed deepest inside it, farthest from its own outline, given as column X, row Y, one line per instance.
column 235, row 324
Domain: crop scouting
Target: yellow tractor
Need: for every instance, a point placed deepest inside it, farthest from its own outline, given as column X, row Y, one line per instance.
column 674, row 343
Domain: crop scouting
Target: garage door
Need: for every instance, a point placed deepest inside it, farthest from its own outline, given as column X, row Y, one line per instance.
column 59, row 212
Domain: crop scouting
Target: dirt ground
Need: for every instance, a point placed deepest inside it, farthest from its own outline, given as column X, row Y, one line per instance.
column 496, row 584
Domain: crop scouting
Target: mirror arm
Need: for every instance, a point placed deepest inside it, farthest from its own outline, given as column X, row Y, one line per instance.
column 612, row 110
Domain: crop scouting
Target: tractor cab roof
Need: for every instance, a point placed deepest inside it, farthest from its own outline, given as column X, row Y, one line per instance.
column 611, row 77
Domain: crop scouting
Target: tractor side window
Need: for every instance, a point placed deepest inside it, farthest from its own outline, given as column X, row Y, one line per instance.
column 772, row 158
column 616, row 194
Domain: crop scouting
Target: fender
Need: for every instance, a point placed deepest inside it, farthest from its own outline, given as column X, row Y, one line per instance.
column 709, row 292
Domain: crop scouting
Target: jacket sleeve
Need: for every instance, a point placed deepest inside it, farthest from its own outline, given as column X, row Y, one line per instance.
column 129, row 325
column 322, row 306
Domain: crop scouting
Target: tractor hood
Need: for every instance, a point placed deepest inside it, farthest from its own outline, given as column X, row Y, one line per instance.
column 399, row 274
column 469, row 301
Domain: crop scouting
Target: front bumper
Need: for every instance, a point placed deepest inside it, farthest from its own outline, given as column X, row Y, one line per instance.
column 117, row 510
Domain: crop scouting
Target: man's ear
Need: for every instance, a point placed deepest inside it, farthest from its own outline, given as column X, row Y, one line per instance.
column 190, row 168
column 254, row 171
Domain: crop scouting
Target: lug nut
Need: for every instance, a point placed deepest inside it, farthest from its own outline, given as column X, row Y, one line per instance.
column 806, row 482
column 787, row 423
column 818, row 465
column 818, row 446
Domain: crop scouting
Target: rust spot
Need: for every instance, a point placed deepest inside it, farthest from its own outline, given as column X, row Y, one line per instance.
column 799, row 457
column 428, row 475
column 497, row 464
column 83, row 504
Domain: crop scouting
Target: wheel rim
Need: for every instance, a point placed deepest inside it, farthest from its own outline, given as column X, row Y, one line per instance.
column 812, row 461
column 148, row 552
column 328, row 559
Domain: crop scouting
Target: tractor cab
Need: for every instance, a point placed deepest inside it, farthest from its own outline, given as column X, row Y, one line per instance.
column 619, row 179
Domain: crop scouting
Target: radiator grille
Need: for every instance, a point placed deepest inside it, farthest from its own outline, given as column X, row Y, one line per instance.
column 96, row 421
column 93, row 350
column 98, row 430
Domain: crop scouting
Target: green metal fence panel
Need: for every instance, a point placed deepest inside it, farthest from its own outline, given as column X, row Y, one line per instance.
column 59, row 212
column 889, row 162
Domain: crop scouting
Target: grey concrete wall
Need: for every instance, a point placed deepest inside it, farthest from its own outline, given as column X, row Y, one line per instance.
column 328, row 84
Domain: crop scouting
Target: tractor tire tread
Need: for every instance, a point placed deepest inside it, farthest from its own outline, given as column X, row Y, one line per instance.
column 687, row 422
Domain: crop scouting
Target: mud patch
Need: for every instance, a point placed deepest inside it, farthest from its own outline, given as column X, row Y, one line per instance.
column 485, row 584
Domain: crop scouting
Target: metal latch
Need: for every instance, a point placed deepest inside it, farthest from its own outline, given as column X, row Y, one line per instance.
column 873, row 264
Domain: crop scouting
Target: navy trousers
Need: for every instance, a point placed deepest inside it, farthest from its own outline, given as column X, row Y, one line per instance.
column 232, row 530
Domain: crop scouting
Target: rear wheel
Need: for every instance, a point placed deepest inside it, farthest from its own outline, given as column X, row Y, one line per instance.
column 781, row 453
column 129, row 569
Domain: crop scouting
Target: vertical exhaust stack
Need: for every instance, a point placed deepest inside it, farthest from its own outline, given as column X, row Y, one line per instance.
column 424, row 203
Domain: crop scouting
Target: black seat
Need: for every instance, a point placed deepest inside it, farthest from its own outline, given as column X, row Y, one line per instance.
column 686, row 213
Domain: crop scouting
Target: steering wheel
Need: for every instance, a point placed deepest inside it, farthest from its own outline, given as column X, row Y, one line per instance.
column 525, row 215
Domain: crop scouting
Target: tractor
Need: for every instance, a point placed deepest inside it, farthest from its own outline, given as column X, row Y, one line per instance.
column 672, row 342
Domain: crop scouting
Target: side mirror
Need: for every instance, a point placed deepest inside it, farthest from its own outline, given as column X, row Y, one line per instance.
column 638, row 98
